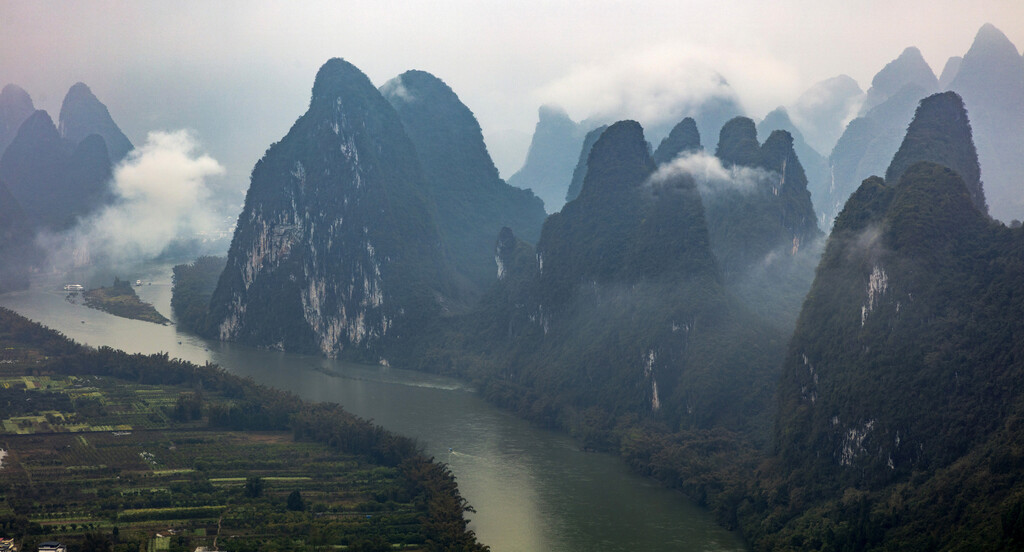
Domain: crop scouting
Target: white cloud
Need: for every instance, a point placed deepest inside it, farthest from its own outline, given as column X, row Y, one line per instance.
column 665, row 83
column 711, row 176
column 163, row 194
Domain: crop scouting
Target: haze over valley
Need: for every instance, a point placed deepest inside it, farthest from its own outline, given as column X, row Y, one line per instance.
column 754, row 271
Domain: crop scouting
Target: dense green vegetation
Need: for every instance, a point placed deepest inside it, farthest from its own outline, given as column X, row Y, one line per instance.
column 653, row 314
column 619, row 320
column 765, row 213
column 113, row 448
column 941, row 133
column 193, row 286
column 121, row 300
column 902, row 386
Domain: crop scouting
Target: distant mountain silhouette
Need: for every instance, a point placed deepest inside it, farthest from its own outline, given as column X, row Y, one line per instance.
column 472, row 202
column 54, row 185
column 15, row 108
column 580, row 172
column 991, row 82
column 82, row 114
column 909, row 68
column 815, row 166
column 554, row 149
column 823, row 110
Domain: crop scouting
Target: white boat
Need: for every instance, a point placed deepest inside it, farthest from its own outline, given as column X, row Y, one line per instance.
column 74, row 287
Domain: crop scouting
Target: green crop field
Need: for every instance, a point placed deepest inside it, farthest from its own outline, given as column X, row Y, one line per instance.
column 124, row 461
column 108, row 451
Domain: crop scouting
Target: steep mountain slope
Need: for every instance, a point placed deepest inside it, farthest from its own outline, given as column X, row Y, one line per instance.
column 941, row 133
column 765, row 207
column 336, row 249
column 991, row 83
column 909, row 68
column 867, row 146
column 903, row 382
column 815, row 166
column 53, row 185
column 620, row 313
column 15, row 108
column 82, row 114
column 16, row 252
column 580, row 172
column 949, row 72
column 472, row 202
column 710, row 114
column 548, row 168
column 684, row 138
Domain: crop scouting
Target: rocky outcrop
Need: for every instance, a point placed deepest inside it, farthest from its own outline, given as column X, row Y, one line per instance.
column 336, row 250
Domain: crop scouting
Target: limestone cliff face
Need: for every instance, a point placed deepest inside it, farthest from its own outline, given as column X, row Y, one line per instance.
column 336, row 250
column 885, row 366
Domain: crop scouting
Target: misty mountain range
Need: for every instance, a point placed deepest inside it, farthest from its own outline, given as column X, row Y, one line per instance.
column 824, row 351
column 843, row 134
column 52, row 177
column 989, row 78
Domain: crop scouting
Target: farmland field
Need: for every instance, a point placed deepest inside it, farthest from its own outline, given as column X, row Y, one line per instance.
column 141, row 466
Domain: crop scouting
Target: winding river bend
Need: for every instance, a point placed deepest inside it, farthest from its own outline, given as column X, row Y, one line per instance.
column 533, row 490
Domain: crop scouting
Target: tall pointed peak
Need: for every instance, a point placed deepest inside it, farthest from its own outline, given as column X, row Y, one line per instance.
column 338, row 78
column 580, row 172
column 949, row 72
column 38, row 126
column 79, row 90
column 910, row 66
column 619, row 160
column 551, row 158
column 82, row 114
column 408, row 87
column 941, row 133
column 550, row 112
column 13, row 95
column 15, row 107
column 684, row 137
column 778, row 119
column 471, row 200
column 737, row 142
column 991, row 37
column 991, row 71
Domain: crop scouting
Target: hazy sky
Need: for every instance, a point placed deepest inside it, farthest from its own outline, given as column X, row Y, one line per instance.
column 238, row 74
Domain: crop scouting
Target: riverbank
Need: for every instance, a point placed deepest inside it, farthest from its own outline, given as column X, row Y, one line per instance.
column 121, row 300
column 214, row 453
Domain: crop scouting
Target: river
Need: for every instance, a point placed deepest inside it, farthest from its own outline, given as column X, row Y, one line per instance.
column 533, row 490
